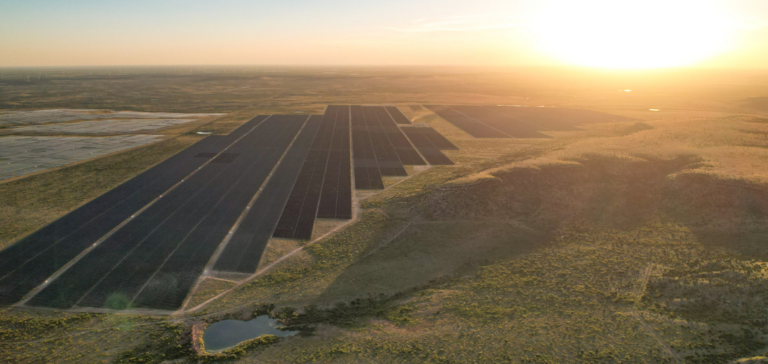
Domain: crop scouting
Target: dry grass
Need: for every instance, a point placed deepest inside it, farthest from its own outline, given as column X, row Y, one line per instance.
column 589, row 247
column 208, row 288
column 731, row 148
column 277, row 248
column 323, row 226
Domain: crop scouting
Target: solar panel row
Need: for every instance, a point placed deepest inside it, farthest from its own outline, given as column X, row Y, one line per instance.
column 181, row 270
column 244, row 250
column 336, row 196
column 31, row 261
column 471, row 126
column 403, row 148
column 297, row 219
column 437, row 139
column 380, row 148
column 156, row 257
column 535, row 117
column 367, row 174
column 511, row 126
column 422, row 139
column 518, row 122
column 386, row 157
column 323, row 187
column 397, row 115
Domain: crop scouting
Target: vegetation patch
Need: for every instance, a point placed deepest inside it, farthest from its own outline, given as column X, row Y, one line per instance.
column 637, row 127
column 22, row 327
column 238, row 351
column 167, row 341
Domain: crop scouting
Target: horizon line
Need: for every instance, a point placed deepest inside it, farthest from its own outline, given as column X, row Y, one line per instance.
column 546, row 66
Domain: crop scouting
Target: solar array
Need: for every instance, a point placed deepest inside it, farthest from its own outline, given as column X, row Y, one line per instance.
column 154, row 259
column 380, row 147
column 323, row 188
column 145, row 243
column 24, row 155
column 435, row 139
column 51, row 116
column 518, row 122
column 429, row 143
column 397, row 115
column 29, row 262
column 244, row 250
column 336, row 195
column 104, row 126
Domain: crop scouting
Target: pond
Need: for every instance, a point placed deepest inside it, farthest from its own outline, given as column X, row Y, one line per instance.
column 228, row 333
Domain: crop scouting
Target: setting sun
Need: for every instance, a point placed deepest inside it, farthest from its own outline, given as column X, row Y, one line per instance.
column 631, row 34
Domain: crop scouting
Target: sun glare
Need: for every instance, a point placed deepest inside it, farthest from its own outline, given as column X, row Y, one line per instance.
column 631, row 34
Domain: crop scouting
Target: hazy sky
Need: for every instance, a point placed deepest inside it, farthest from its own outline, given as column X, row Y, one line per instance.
column 599, row 33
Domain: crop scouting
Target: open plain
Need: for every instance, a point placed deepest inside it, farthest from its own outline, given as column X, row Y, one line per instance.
column 531, row 216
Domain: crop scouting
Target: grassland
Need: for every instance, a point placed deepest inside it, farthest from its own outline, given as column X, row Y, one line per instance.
column 639, row 242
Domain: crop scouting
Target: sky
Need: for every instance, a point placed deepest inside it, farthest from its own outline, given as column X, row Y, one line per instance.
column 591, row 33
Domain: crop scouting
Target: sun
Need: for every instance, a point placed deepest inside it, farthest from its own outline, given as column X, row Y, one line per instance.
column 631, row 33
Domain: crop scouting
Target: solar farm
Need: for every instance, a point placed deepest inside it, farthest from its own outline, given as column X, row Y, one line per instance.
column 213, row 208
column 380, row 215
column 113, row 126
column 24, row 154
column 35, row 142
column 518, row 122
column 56, row 116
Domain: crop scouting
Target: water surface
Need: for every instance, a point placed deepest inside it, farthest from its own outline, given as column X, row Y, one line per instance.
column 228, row 333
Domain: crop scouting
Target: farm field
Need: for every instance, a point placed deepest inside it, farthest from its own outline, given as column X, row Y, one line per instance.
column 589, row 230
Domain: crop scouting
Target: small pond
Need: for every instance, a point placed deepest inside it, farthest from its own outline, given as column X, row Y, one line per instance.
column 228, row 333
